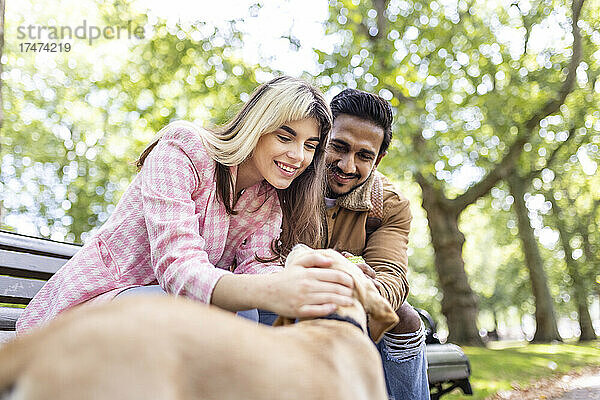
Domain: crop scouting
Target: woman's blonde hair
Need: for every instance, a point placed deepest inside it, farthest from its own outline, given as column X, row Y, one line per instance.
column 271, row 105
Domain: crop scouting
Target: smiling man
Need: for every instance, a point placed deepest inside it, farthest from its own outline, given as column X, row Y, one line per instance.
column 366, row 216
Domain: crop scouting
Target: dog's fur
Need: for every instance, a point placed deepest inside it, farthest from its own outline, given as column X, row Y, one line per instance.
column 164, row 347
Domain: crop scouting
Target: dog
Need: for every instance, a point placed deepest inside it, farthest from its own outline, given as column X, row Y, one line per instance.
column 163, row 348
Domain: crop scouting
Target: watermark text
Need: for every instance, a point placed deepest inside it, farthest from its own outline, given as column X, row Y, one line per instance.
column 90, row 33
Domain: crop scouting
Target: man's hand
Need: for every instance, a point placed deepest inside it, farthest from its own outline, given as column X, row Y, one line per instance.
column 366, row 269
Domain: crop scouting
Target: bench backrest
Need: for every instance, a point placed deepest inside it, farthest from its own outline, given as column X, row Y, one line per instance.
column 26, row 263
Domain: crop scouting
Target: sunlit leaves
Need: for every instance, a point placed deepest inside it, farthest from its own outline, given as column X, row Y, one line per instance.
column 74, row 125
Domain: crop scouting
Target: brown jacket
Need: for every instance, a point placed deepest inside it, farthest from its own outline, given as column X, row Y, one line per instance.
column 384, row 249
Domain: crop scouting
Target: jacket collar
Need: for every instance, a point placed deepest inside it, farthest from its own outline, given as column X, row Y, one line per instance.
column 359, row 199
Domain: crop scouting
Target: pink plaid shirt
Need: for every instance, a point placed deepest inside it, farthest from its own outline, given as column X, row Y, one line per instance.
column 168, row 228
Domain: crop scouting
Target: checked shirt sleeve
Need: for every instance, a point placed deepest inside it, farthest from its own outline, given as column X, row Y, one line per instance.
column 178, row 256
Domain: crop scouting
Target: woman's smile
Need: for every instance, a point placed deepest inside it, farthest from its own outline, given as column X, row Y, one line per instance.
column 286, row 169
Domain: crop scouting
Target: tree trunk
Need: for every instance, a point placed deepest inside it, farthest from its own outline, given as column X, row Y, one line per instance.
column 521, row 324
column 495, row 315
column 545, row 318
column 459, row 304
column 590, row 255
column 579, row 290
column 2, row 7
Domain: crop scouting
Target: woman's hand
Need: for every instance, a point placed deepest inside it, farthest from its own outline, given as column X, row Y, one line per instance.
column 306, row 288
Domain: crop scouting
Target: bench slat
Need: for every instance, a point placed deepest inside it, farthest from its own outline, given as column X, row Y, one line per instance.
column 6, row 336
column 8, row 318
column 29, row 262
column 18, row 290
column 446, row 362
column 12, row 241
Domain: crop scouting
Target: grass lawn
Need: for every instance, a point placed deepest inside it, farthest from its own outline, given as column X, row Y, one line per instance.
column 504, row 364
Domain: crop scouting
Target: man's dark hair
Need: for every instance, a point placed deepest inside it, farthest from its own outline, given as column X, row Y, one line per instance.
column 366, row 106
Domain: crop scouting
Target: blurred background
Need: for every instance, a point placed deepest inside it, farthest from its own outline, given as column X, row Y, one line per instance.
column 496, row 135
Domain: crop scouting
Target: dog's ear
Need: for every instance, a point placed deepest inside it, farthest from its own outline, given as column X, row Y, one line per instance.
column 382, row 316
column 283, row 321
column 296, row 251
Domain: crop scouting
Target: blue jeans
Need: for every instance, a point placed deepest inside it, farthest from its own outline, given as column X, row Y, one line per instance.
column 252, row 315
column 405, row 370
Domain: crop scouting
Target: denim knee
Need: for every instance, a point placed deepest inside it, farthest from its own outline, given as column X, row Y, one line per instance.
column 405, row 365
column 404, row 346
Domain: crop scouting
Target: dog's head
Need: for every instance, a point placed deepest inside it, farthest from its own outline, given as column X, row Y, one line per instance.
column 381, row 315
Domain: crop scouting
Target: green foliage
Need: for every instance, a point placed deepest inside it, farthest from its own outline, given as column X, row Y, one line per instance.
column 74, row 126
column 457, row 80
column 466, row 79
column 497, row 275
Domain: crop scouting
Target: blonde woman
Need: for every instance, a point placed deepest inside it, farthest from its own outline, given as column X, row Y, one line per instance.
column 203, row 217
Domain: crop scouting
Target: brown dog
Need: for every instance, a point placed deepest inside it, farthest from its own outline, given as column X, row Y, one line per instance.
column 164, row 347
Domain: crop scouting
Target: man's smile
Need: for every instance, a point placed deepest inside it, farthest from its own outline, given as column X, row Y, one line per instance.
column 340, row 177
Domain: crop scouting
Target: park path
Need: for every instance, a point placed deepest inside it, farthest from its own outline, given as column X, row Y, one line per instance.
column 576, row 385
column 584, row 387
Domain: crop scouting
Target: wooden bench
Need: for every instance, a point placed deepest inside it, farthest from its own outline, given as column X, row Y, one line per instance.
column 448, row 366
column 26, row 263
